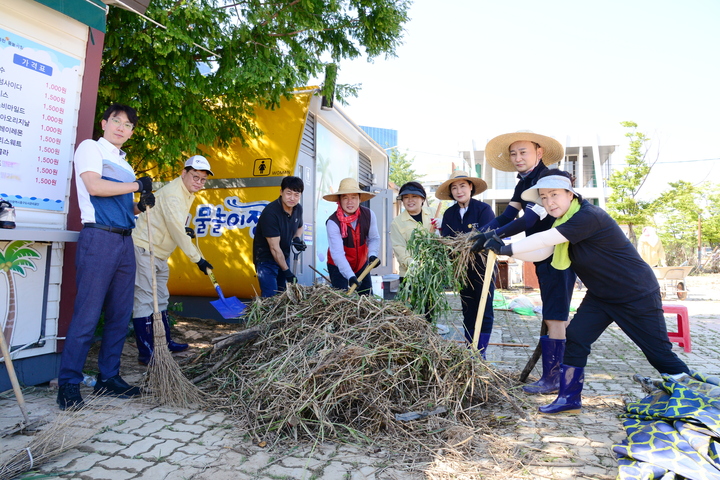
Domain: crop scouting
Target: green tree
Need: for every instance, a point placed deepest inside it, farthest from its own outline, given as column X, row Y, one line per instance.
column 711, row 215
column 15, row 259
column 624, row 205
column 197, row 74
column 401, row 170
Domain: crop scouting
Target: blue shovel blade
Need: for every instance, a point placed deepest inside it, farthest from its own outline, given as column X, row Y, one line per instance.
column 228, row 307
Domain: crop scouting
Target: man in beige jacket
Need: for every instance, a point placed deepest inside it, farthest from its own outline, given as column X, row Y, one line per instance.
column 172, row 203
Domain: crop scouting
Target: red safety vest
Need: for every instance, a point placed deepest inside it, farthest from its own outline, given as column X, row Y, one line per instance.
column 355, row 244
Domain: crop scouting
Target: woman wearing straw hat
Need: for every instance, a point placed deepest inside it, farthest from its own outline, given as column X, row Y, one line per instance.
column 528, row 153
column 465, row 215
column 587, row 238
column 353, row 238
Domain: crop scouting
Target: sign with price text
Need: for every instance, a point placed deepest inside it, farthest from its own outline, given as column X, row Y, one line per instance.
column 39, row 91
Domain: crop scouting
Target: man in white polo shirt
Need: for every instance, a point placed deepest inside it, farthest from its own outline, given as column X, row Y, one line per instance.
column 105, row 260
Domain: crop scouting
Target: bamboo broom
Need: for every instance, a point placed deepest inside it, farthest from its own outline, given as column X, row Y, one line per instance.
column 165, row 380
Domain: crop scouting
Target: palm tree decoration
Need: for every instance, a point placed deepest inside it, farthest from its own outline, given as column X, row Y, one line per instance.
column 15, row 258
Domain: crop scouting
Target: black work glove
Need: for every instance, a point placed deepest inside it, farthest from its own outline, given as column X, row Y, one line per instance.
column 146, row 200
column 190, row 232
column 203, row 265
column 372, row 259
column 496, row 245
column 353, row 281
column 144, row 184
column 299, row 244
column 480, row 240
column 289, row 276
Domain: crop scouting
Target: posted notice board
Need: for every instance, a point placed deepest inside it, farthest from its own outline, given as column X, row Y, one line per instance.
column 39, row 91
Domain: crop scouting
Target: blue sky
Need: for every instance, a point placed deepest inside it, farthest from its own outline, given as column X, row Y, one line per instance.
column 473, row 69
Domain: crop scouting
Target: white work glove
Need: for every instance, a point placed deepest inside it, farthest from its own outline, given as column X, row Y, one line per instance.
column 539, row 210
column 436, row 222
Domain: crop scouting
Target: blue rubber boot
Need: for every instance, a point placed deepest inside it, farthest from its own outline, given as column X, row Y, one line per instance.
column 172, row 346
column 552, row 355
column 483, row 343
column 144, row 338
column 569, row 399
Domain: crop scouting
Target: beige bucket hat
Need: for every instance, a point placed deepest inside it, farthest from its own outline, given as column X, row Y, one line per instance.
column 348, row 185
column 443, row 191
column 497, row 151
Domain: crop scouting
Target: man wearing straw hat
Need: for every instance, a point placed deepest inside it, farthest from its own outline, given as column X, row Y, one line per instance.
column 529, row 154
column 173, row 201
column 353, row 238
column 466, row 215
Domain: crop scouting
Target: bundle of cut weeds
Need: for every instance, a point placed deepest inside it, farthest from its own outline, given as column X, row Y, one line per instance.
column 328, row 365
column 439, row 264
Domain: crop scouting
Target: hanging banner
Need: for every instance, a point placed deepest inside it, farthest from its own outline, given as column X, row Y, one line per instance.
column 39, row 91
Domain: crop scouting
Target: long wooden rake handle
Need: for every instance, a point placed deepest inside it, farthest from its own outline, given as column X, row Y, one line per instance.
column 13, row 377
column 437, row 212
column 489, row 268
column 156, row 308
column 364, row 274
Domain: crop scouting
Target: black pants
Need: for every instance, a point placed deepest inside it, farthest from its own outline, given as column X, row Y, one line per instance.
column 642, row 320
column 341, row 283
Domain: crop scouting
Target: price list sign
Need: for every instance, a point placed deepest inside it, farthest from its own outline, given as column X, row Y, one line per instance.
column 39, row 90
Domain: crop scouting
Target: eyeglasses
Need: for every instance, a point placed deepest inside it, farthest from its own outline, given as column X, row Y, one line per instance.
column 116, row 121
column 199, row 179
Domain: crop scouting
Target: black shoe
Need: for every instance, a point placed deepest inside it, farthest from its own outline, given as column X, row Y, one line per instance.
column 177, row 347
column 116, row 387
column 69, row 396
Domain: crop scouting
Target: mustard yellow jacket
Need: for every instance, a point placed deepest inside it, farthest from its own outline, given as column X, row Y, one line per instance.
column 401, row 228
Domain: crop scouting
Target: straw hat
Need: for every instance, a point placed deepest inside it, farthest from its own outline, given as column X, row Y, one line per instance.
column 443, row 191
column 497, row 151
column 348, row 185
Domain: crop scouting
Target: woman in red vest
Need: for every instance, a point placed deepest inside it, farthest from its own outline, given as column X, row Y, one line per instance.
column 353, row 238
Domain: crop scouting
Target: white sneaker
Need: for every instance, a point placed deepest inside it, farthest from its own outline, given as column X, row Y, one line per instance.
column 442, row 329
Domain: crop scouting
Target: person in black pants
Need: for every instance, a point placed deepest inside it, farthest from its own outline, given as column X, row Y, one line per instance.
column 588, row 239
column 528, row 154
column 466, row 215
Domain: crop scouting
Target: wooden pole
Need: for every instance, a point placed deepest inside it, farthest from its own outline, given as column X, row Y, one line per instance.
column 364, row 274
column 489, row 268
column 535, row 356
column 13, row 377
column 437, row 212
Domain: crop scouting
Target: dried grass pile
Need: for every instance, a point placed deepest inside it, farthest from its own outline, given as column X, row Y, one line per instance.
column 68, row 430
column 328, row 365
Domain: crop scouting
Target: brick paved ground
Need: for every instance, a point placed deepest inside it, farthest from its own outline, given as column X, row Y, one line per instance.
column 135, row 440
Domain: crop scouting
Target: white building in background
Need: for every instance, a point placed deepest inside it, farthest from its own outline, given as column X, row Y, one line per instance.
column 588, row 157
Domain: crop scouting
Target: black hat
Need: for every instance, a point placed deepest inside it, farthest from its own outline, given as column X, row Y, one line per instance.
column 412, row 188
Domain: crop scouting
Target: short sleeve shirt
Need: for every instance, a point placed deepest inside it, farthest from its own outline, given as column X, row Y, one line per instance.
column 604, row 259
column 275, row 222
column 105, row 159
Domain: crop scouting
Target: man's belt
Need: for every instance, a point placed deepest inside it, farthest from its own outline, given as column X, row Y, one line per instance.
column 122, row 231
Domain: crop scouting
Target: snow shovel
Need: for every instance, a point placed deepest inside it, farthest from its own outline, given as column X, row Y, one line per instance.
column 364, row 274
column 489, row 268
column 227, row 307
